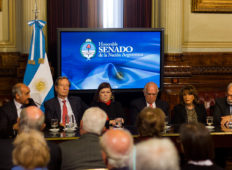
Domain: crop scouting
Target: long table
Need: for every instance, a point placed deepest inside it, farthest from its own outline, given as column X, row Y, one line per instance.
column 222, row 137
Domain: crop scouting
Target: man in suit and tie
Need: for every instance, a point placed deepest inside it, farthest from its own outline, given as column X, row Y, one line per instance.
column 149, row 100
column 11, row 110
column 63, row 107
column 223, row 108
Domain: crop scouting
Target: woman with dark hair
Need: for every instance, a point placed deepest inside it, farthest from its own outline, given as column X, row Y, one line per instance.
column 105, row 100
column 189, row 109
column 198, row 147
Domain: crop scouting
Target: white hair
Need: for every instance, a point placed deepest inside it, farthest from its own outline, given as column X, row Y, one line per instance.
column 156, row 154
column 94, row 120
column 117, row 157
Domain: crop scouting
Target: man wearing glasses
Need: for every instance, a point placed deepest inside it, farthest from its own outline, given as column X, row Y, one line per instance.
column 149, row 100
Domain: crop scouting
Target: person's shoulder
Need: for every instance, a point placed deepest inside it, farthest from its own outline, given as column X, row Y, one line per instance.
column 8, row 104
column 69, row 144
column 179, row 106
column 50, row 100
column 117, row 103
column 220, row 100
column 138, row 100
column 74, row 98
column 161, row 102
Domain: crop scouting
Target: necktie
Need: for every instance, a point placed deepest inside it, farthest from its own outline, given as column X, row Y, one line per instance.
column 150, row 105
column 65, row 113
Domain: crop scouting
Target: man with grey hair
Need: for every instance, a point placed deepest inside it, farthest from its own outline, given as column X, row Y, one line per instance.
column 150, row 92
column 85, row 153
column 117, row 145
column 223, row 108
column 11, row 110
column 31, row 118
column 155, row 154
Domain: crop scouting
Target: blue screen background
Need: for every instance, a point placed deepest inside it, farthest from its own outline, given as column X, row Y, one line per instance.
column 129, row 71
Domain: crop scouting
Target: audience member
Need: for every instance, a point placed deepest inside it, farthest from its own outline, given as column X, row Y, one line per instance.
column 223, row 108
column 63, row 107
column 11, row 110
column 155, row 154
column 197, row 146
column 85, row 153
column 31, row 118
column 105, row 100
column 189, row 109
column 150, row 93
column 30, row 151
column 117, row 145
column 150, row 122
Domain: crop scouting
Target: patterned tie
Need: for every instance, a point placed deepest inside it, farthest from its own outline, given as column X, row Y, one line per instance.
column 65, row 113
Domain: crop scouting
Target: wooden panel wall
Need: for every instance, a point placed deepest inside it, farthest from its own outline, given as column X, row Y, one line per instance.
column 207, row 71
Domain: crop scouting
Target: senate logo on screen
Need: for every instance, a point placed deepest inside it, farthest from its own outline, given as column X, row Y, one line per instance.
column 88, row 49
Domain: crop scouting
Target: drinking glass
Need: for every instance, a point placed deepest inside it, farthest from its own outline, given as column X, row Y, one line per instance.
column 69, row 121
column 119, row 122
column 54, row 123
column 230, row 122
column 209, row 120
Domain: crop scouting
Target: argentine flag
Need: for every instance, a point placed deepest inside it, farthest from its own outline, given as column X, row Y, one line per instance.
column 38, row 75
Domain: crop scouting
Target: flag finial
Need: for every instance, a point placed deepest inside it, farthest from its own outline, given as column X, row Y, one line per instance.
column 36, row 11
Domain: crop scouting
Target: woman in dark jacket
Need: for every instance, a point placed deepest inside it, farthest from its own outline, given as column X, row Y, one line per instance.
column 105, row 100
column 189, row 109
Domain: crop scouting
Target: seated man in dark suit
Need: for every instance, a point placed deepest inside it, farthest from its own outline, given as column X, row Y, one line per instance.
column 150, row 93
column 85, row 153
column 31, row 118
column 223, row 108
column 63, row 107
column 11, row 110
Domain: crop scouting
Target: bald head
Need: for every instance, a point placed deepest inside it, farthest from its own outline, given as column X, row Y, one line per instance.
column 21, row 93
column 117, row 145
column 31, row 118
column 150, row 92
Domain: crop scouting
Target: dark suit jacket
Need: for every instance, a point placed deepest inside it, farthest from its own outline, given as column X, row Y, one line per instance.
column 84, row 153
column 6, row 150
column 52, row 109
column 138, row 104
column 180, row 114
column 114, row 110
column 10, row 115
column 221, row 108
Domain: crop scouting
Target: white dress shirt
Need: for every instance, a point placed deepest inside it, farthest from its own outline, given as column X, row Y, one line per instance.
column 18, row 107
column 69, row 108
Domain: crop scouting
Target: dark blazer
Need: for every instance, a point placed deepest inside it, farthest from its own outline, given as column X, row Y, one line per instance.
column 7, row 147
column 180, row 114
column 10, row 115
column 221, row 108
column 52, row 109
column 138, row 104
column 114, row 110
column 6, row 154
column 84, row 153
